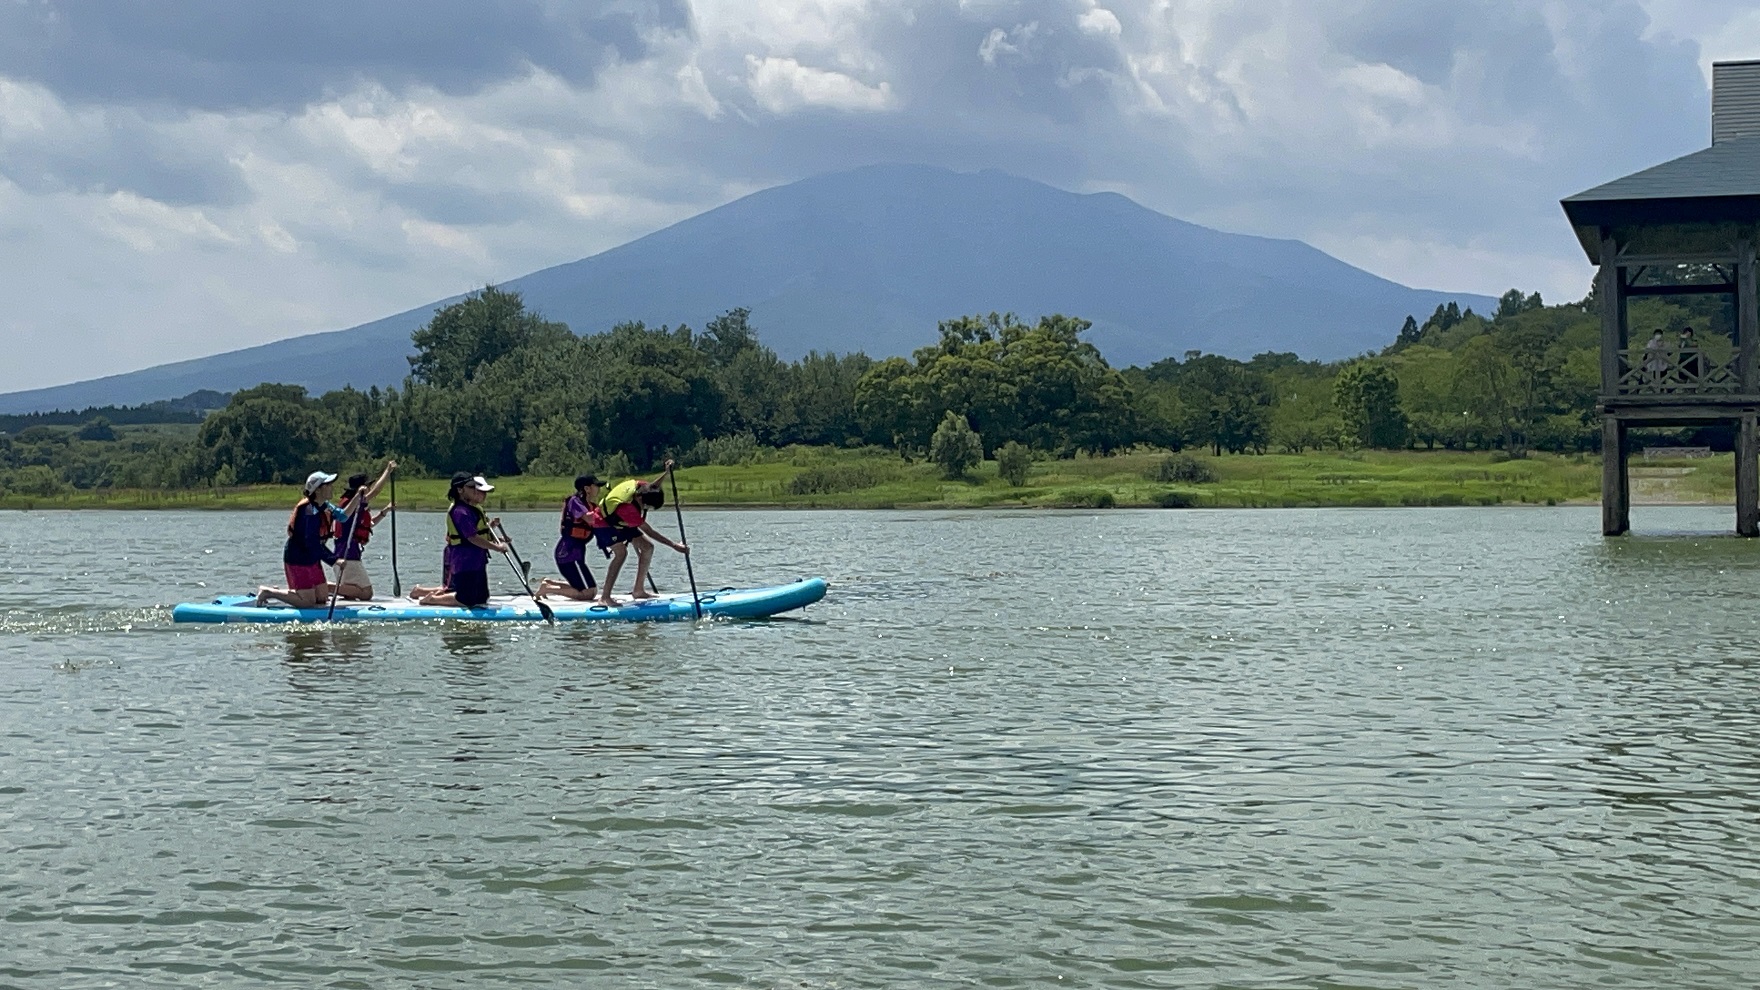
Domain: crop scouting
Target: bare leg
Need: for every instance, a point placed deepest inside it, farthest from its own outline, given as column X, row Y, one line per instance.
column 355, row 592
column 611, row 569
column 296, row 597
column 562, row 589
column 644, row 555
column 441, row 598
column 422, row 591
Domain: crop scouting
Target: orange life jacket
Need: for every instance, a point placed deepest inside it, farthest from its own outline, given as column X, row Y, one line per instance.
column 326, row 523
column 363, row 526
column 578, row 527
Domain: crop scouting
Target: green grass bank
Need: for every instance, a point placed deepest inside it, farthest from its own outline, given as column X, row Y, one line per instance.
column 826, row 478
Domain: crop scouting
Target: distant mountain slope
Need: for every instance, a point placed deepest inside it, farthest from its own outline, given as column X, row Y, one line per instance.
column 870, row 260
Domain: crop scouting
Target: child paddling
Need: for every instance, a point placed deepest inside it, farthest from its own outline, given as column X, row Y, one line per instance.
column 354, row 529
column 571, row 549
column 309, row 528
column 620, row 522
column 470, row 538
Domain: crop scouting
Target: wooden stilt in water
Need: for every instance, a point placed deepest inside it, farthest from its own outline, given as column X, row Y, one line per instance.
column 1748, row 476
column 1616, row 494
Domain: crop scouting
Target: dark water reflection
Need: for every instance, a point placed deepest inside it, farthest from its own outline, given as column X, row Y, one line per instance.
column 1402, row 748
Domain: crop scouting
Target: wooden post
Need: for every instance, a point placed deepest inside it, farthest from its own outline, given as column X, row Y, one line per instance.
column 1611, row 287
column 1748, row 476
column 1747, row 313
column 1616, row 513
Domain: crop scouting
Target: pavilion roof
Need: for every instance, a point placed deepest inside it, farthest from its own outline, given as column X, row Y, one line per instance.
column 1720, row 184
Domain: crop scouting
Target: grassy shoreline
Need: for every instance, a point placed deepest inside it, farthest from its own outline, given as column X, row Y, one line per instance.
column 824, row 479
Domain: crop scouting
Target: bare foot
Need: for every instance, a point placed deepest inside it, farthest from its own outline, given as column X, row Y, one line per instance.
column 639, row 594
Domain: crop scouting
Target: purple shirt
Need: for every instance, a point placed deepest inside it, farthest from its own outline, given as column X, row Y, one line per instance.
column 466, row 556
column 570, row 548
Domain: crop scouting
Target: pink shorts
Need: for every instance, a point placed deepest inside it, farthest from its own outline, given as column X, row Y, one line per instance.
column 302, row 576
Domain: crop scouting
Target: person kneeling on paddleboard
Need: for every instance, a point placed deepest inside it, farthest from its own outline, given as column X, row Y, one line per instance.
column 621, row 521
column 309, row 528
column 470, row 538
column 354, row 528
column 571, row 550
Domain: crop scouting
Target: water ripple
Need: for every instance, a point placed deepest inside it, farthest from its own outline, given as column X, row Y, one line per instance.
column 1465, row 748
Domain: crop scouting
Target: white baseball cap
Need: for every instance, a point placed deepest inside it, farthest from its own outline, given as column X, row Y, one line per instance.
column 317, row 478
column 479, row 484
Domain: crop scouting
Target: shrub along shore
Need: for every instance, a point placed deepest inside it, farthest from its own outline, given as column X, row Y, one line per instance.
column 831, row 478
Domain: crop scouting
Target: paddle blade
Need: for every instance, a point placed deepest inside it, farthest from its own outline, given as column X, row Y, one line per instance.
column 545, row 610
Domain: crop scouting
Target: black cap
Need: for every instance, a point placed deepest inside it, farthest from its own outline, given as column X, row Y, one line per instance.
column 585, row 480
column 357, row 482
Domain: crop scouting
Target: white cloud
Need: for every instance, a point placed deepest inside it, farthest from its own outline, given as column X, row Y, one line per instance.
column 783, row 85
column 1013, row 43
column 1427, row 140
column 151, row 226
column 695, row 91
column 1099, row 20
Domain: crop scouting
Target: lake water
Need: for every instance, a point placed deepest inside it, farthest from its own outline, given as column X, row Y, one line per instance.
column 1365, row 748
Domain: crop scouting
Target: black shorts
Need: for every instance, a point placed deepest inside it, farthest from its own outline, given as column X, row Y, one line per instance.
column 471, row 587
column 576, row 573
column 610, row 536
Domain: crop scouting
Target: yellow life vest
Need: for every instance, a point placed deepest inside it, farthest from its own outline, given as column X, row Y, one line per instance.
column 456, row 539
column 620, row 493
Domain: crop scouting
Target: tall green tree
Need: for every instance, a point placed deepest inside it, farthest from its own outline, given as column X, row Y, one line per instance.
column 265, row 434
column 1227, row 404
column 1367, row 396
column 955, row 446
column 462, row 338
column 650, row 392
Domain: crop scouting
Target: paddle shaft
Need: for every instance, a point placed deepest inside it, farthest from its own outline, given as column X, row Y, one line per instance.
column 396, row 582
column 690, row 572
column 519, row 571
column 341, row 562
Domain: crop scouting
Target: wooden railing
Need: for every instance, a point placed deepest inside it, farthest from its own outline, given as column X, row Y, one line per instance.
column 1675, row 371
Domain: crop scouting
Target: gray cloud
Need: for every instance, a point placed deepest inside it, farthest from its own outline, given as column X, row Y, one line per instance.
column 358, row 159
column 119, row 150
column 230, row 55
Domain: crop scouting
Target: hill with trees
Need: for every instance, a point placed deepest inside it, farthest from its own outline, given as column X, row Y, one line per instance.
column 864, row 260
column 496, row 387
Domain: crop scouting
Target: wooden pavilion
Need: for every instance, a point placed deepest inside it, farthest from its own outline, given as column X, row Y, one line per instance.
column 1689, row 226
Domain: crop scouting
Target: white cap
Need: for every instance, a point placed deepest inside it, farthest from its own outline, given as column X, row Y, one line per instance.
column 317, row 478
column 480, row 485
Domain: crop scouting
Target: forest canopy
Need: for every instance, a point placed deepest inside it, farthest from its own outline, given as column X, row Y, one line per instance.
column 495, row 387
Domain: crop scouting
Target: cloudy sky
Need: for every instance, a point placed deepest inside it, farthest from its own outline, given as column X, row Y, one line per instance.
column 185, row 177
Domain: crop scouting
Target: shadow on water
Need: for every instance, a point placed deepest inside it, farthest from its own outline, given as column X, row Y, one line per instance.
column 1651, row 554
column 467, row 640
column 308, row 646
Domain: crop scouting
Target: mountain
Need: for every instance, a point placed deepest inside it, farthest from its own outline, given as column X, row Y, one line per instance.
column 870, row 260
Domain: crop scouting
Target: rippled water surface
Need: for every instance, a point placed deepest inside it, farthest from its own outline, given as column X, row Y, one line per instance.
column 1368, row 748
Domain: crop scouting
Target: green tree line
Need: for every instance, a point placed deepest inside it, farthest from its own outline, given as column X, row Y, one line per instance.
column 496, row 387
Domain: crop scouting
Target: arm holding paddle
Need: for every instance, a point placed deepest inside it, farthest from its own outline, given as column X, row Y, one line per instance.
column 372, row 490
column 656, row 535
column 493, row 546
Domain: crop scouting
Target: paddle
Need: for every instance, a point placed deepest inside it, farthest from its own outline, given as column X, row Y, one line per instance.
column 696, row 600
column 396, row 582
column 342, row 559
column 520, row 570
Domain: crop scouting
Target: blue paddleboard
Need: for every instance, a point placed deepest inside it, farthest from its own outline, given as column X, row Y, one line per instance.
column 732, row 603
